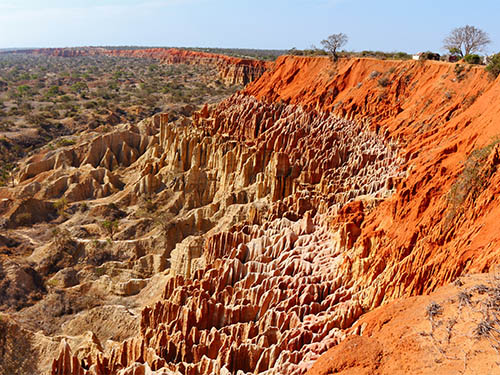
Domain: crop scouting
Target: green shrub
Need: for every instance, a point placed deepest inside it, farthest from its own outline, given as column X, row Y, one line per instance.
column 430, row 56
column 383, row 82
column 460, row 72
column 472, row 181
column 79, row 87
column 494, row 65
column 53, row 91
column 402, row 56
column 65, row 142
column 61, row 205
column 63, row 240
column 472, row 58
column 36, row 119
column 295, row 52
column 24, row 90
column 23, row 218
column 110, row 226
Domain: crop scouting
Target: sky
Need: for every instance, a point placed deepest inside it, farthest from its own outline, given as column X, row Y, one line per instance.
column 386, row 25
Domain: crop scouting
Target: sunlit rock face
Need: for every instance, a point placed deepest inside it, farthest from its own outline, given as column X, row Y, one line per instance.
column 269, row 291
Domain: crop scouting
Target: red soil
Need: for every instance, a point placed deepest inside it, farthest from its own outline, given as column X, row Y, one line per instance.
column 439, row 120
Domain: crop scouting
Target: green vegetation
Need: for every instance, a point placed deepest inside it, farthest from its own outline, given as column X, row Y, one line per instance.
column 430, row 56
column 61, row 205
column 494, row 66
column 23, row 218
column 472, row 59
column 24, row 90
column 244, row 53
column 383, row 55
column 110, row 226
column 313, row 51
column 59, row 96
column 6, row 173
column 460, row 71
column 53, row 91
column 63, row 142
column 63, row 240
column 384, row 82
column 472, row 181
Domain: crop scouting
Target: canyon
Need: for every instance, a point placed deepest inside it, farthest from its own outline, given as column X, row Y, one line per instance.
column 310, row 223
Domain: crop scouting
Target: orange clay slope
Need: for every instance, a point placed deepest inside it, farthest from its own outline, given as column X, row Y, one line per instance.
column 402, row 337
column 423, row 236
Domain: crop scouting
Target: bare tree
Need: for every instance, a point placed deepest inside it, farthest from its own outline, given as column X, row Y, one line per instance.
column 333, row 43
column 466, row 40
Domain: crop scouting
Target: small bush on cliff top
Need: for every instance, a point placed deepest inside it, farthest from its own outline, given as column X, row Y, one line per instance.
column 494, row 66
column 472, row 59
column 430, row 56
column 460, row 72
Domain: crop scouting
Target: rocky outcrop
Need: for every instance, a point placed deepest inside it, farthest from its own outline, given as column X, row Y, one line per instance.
column 23, row 352
column 266, row 305
column 85, row 171
column 232, row 70
column 310, row 148
column 266, row 295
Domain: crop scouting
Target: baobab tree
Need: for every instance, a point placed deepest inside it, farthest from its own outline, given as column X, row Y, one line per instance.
column 333, row 43
column 466, row 40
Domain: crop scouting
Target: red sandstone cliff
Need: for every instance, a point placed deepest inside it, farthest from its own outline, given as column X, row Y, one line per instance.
column 349, row 225
column 439, row 116
column 232, row 70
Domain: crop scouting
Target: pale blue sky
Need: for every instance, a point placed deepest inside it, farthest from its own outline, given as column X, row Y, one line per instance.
column 387, row 25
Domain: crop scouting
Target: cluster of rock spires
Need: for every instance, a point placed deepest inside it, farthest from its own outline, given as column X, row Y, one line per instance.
column 301, row 203
column 232, row 70
column 237, row 161
column 257, row 298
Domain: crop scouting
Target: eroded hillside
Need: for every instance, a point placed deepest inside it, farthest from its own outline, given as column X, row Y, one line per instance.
column 260, row 230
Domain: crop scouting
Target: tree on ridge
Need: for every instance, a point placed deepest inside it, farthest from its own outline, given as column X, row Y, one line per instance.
column 466, row 40
column 333, row 43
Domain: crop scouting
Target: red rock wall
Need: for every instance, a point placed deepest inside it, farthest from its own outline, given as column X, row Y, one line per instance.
column 438, row 116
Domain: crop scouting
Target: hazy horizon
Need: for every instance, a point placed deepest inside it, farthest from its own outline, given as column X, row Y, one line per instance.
column 386, row 25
